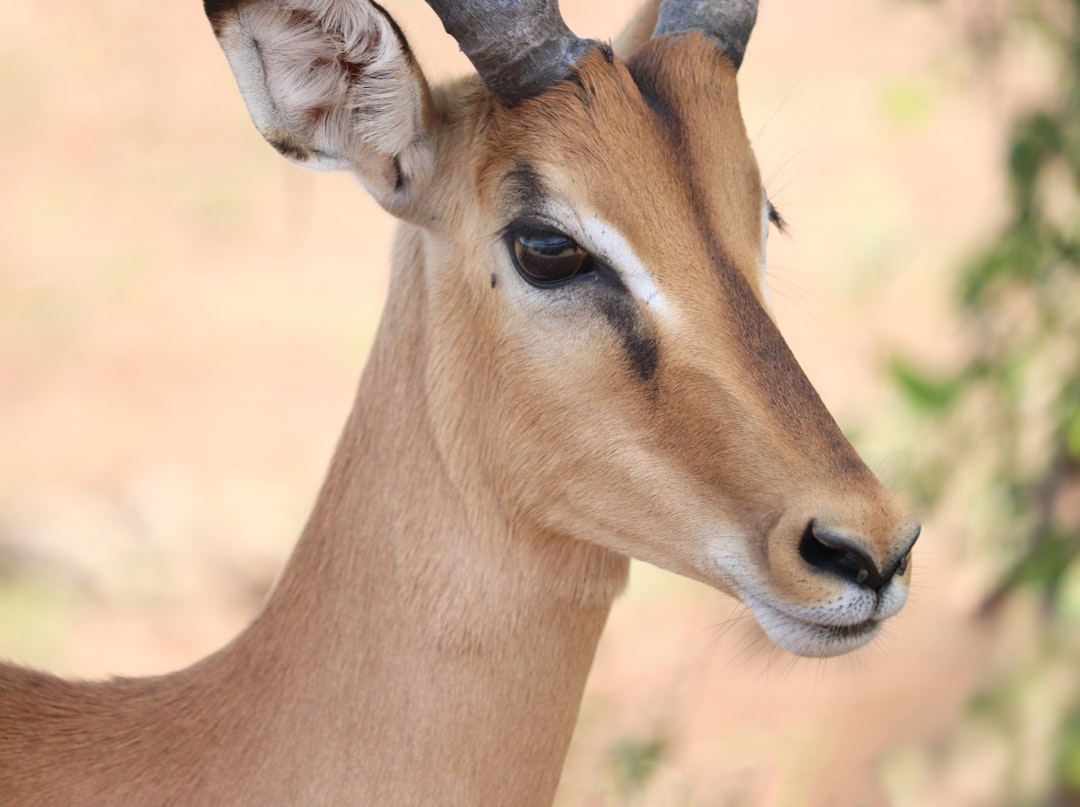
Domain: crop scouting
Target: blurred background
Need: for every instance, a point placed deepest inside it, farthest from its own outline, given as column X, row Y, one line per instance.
column 184, row 315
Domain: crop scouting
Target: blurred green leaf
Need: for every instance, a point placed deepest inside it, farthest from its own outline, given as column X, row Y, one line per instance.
column 1069, row 751
column 1036, row 139
column 907, row 102
column 1072, row 431
column 1044, row 563
column 921, row 390
column 1016, row 254
column 635, row 762
column 1069, row 593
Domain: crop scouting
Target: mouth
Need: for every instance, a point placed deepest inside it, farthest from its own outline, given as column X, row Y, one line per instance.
column 836, row 639
column 812, row 639
column 844, row 623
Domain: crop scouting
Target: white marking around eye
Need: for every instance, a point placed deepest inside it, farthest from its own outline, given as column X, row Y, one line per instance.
column 611, row 247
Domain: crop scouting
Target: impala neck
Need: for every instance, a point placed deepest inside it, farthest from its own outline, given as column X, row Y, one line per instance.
column 416, row 644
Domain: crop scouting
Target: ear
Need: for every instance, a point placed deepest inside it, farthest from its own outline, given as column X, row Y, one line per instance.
column 638, row 31
column 332, row 84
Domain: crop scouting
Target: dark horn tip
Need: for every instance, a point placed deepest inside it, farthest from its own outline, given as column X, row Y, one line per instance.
column 729, row 22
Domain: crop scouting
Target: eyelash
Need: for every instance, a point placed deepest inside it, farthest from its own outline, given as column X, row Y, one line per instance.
column 776, row 219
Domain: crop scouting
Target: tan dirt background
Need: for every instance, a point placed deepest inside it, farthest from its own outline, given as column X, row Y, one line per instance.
column 184, row 315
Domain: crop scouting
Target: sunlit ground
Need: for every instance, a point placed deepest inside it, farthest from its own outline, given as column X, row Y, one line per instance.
column 183, row 317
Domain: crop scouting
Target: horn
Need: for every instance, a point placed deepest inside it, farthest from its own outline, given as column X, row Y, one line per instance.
column 727, row 21
column 519, row 47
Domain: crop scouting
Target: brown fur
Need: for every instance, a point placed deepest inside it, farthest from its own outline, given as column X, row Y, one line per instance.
column 431, row 635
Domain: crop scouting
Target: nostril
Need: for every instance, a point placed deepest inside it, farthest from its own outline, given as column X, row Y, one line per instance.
column 838, row 554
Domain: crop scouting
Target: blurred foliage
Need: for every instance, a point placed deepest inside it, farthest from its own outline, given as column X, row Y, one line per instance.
column 633, row 763
column 1003, row 427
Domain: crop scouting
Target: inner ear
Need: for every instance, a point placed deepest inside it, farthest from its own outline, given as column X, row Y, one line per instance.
column 332, row 84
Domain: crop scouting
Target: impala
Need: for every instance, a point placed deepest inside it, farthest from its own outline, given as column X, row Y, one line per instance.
column 576, row 366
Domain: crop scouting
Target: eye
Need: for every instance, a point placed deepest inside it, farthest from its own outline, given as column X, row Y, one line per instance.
column 547, row 257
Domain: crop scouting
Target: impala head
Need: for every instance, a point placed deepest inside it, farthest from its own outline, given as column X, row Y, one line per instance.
column 589, row 232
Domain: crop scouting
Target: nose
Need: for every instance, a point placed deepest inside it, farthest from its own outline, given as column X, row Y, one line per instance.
column 840, row 554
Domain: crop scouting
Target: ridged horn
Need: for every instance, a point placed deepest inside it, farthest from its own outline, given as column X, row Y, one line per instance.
column 727, row 21
column 519, row 47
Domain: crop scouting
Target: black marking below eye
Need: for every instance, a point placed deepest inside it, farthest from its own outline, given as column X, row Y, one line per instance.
column 621, row 312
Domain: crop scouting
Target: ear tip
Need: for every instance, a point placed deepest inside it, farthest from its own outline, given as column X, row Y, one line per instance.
column 217, row 10
column 215, row 7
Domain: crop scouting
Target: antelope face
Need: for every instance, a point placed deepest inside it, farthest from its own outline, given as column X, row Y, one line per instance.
column 635, row 391
column 601, row 364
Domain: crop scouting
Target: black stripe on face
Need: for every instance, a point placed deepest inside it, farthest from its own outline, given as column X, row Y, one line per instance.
column 621, row 312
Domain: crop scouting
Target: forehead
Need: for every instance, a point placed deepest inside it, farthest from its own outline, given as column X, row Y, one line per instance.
column 655, row 145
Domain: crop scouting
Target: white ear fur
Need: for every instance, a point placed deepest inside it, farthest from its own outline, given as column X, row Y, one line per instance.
column 331, row 84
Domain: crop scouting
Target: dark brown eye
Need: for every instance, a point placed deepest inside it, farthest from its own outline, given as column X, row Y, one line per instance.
column 547, row 257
